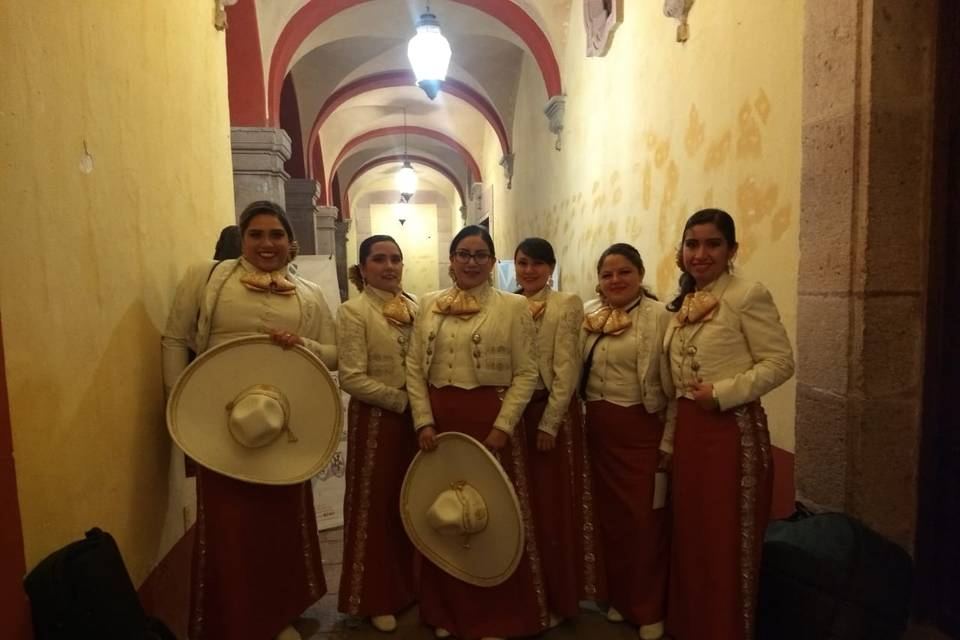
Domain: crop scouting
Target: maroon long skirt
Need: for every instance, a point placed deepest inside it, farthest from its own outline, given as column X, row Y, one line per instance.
column 562, row 505
column 256, row 560
column 377, row 576
column 634, row 536
column 722, row 486
column 516, row 607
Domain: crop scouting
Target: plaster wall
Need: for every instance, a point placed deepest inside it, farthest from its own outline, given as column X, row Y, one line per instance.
column 656, row 130
column 111, row 187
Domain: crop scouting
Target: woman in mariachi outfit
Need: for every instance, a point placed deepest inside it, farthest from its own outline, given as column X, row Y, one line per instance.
column 623, row 383
column 472, row 368
column 560, row 498
column 727, row 348
column 373, row 330
column 256, row 561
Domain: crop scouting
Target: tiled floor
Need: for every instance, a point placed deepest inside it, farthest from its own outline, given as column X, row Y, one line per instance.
column 323, row 621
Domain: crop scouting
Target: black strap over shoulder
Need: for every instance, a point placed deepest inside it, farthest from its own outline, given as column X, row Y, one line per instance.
column 588, row 362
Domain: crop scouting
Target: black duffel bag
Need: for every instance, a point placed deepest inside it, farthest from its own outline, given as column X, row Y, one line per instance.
column 84, row 591
column 829, row 577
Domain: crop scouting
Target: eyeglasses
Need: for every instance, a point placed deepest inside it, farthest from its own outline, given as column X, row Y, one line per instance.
column 463, row 256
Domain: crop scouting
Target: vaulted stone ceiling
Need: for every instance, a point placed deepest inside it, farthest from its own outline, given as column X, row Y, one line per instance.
column 352, row 80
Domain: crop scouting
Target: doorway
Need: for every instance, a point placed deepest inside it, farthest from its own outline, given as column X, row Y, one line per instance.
column 937, row 553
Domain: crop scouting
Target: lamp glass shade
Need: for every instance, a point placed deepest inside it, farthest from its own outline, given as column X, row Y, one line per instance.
column 428, row 51
column 406, row 179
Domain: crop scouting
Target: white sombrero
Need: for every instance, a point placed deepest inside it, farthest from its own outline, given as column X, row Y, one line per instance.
column 256, row 412
column 460, row 510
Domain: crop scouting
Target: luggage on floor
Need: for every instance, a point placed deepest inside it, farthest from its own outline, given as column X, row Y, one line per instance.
column 829, row 577
column 83, row 591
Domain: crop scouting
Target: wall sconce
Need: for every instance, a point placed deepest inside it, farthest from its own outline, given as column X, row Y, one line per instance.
column 678, row 9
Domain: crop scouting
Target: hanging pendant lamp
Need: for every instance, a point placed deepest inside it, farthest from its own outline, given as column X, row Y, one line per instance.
column 406, row 178
column 429, row 54
column 402, row 211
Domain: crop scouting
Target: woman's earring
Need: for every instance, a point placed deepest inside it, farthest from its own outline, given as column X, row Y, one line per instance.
column 453, row 275
column 550, row 282
column 599, row 291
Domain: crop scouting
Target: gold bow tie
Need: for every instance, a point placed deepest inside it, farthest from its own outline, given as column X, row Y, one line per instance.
column 697, row 307
column 607, row 320
column 456, row 302
column 397, row 312
column 274, row 282
column 537, row 307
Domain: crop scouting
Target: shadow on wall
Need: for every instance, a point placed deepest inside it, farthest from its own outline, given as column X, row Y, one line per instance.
column 110, row 462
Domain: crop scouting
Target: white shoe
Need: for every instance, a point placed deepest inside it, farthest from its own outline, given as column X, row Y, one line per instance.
column 554, row 622
column 613, row 615
column 440, row 632
column 385, row 623
column 651, row 631
column 289, row 634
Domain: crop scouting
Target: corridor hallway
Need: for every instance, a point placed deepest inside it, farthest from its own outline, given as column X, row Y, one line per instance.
column 133, row 132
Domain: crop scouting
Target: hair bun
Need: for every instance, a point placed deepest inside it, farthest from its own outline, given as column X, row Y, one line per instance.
column 353, row 275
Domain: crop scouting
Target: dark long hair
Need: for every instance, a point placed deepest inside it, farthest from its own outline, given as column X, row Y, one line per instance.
column 629, row 252
column 353, row 273
column 538, row 249
column 473, row 230
column 723, row 221
column 228, row 244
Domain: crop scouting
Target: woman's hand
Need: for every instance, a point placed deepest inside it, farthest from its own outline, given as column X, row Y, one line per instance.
column 664, row 460
column 703, row 395
column 545, row 441
column 427, row 438
column 496, row 439
column 285, row 339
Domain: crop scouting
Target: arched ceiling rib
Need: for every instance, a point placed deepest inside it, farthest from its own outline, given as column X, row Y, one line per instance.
column 384, row 109
column 320, row 21
column 412, row 132
column 430, row 173
column 405, row 78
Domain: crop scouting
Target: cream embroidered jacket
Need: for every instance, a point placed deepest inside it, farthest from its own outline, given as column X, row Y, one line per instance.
column 372, row 351
column 558, row 329
column 188, row 325
column 648, row 382
column 742, row 349
column 495, row 347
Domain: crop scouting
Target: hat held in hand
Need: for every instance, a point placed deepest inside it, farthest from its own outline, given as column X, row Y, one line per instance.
column 253, row 411
column 460, row 510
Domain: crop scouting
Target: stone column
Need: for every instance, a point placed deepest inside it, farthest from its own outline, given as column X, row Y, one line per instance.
column 341, row 228
column 865, row 207
column 325, row 221
column 301, row 209
column 258, row 157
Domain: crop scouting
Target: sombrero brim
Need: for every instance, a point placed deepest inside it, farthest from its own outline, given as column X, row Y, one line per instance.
column 494, row 553
column 197, row 414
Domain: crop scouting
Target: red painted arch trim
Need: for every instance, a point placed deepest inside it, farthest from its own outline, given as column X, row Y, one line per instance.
column 410, row 130
column 248, row 100
column 402, row 78
column 398, row 158
column 316, row 12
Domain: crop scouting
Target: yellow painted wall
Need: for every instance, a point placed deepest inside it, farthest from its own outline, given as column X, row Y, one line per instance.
column 656, row 130
column 115, row 174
